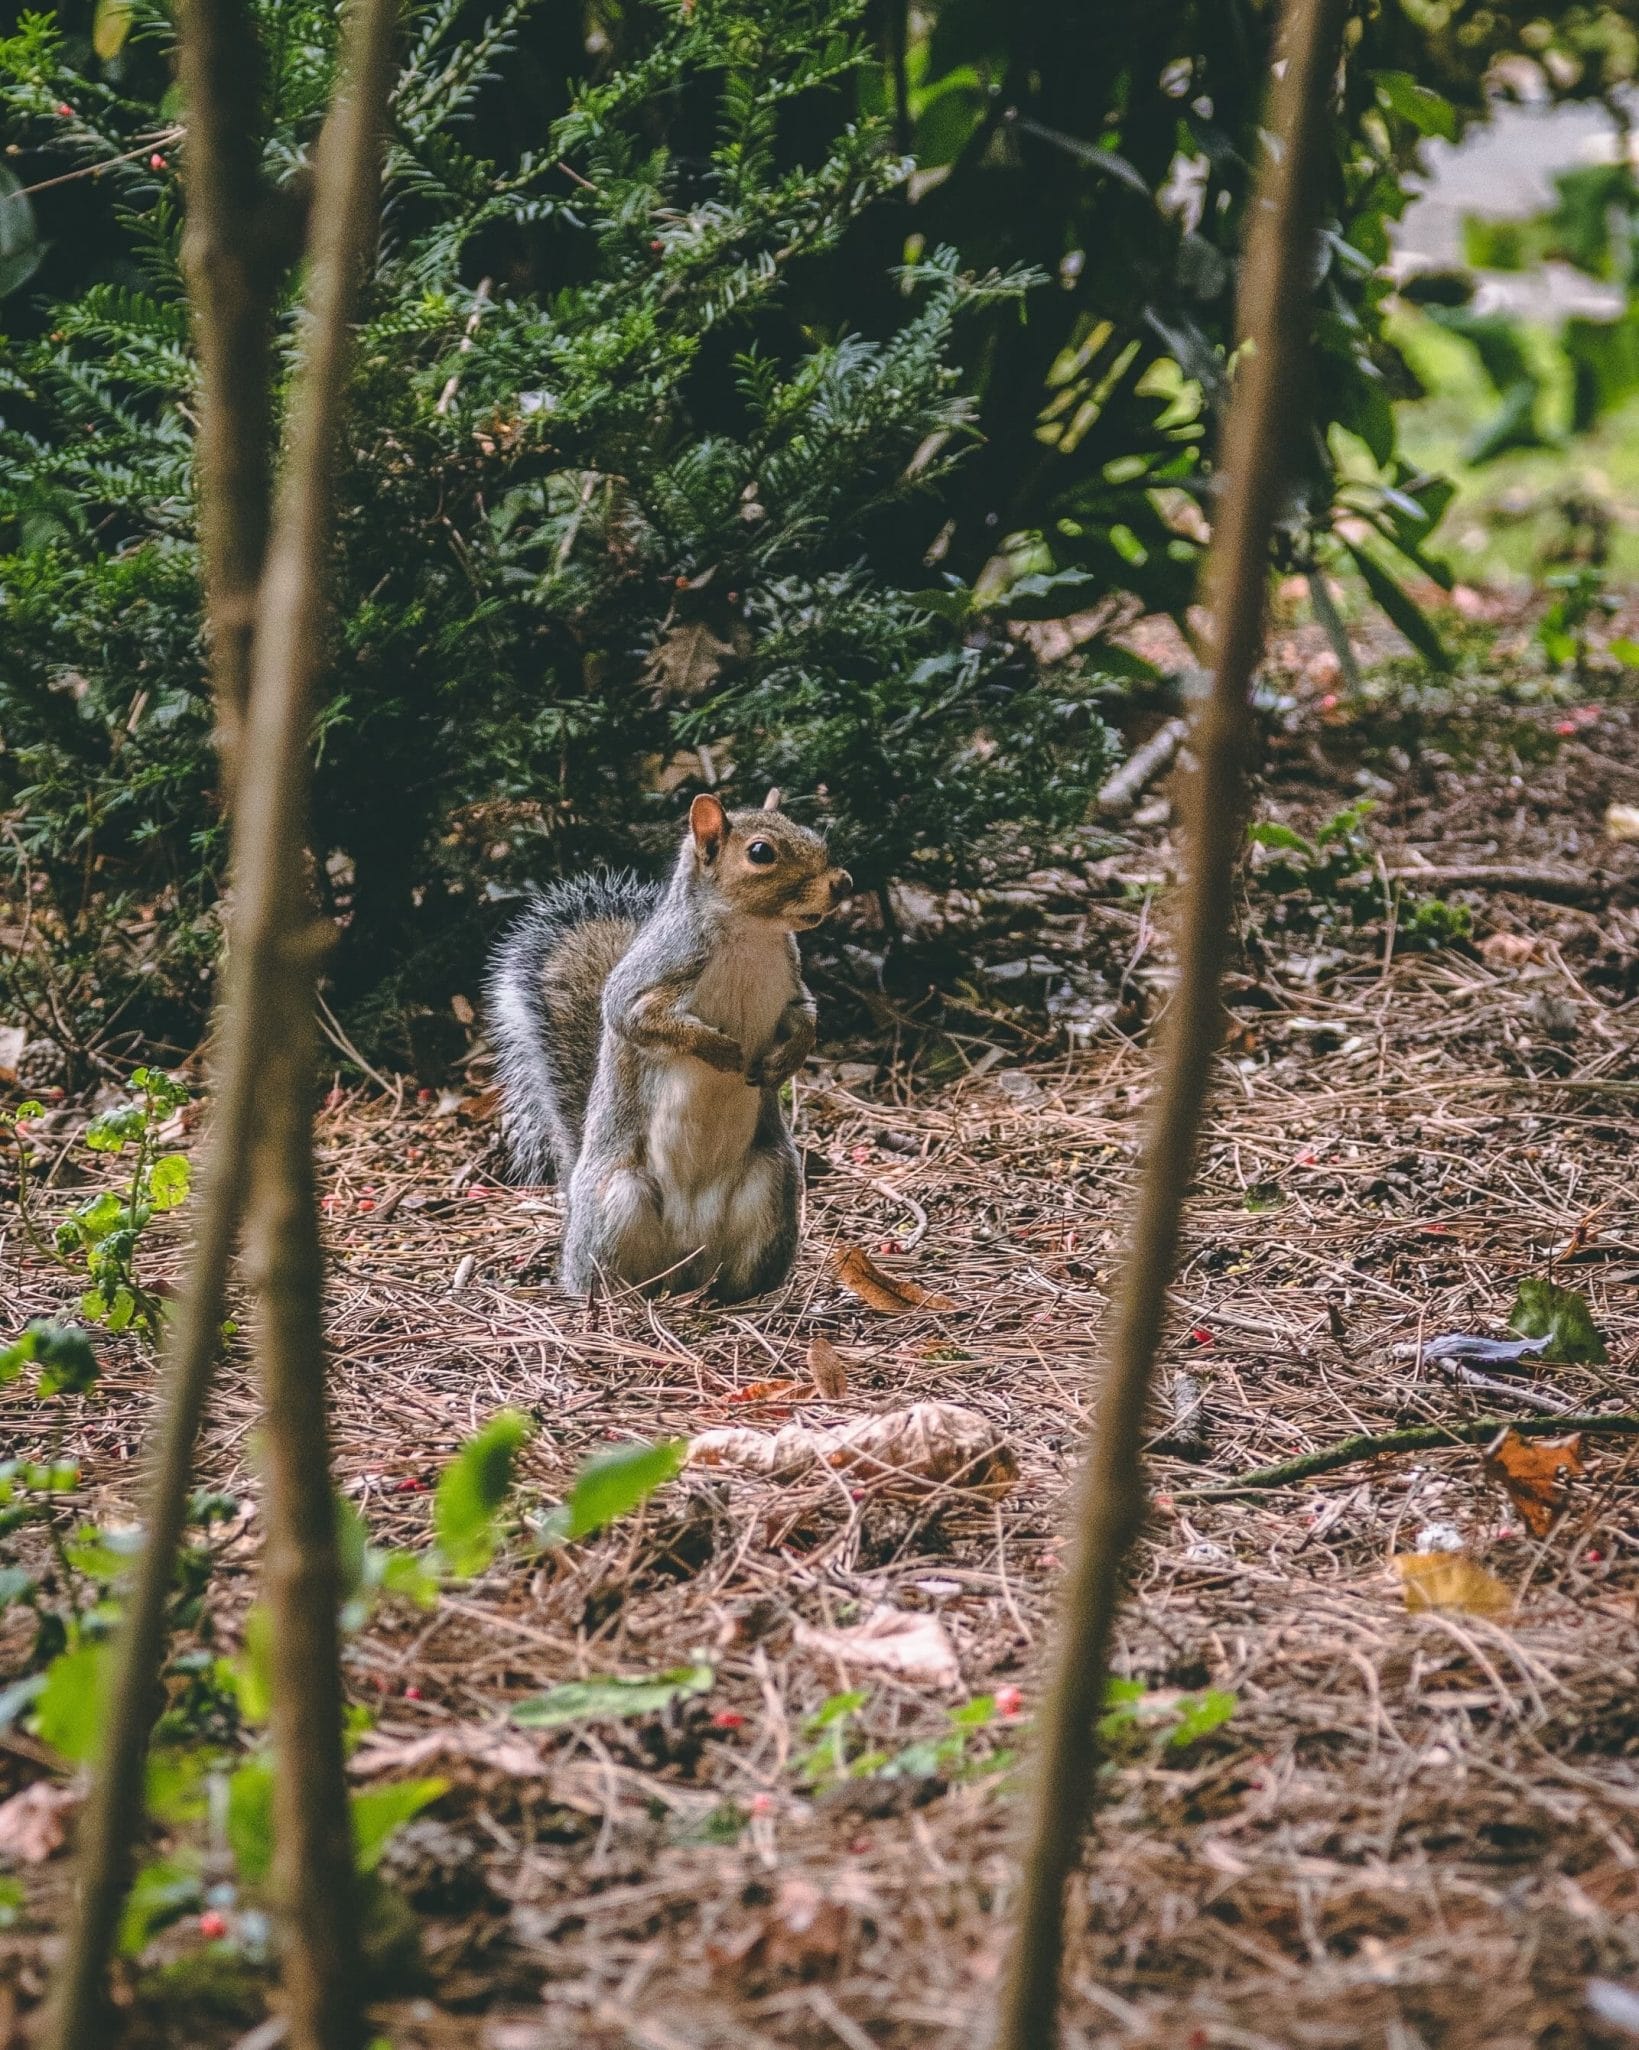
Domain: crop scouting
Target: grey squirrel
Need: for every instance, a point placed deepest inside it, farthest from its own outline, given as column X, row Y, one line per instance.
column 642, row 1034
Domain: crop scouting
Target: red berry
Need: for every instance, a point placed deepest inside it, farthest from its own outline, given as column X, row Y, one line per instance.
column 367, row 1202
column 657, row 245
column 412, row 1692
column 763, row 1804
column 213, row 1926
column 65, row 110
column 728, row 1719
column 156, row 162
column 1565, row 727
column 1009, row 1700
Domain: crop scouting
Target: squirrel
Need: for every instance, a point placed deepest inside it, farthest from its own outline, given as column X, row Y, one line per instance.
column 642, row 1034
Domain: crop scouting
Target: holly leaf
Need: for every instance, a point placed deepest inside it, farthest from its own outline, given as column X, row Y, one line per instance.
column 1542, row 1309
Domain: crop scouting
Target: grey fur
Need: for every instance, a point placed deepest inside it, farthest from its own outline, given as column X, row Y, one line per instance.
column 546, row 1043
column 643, row 1036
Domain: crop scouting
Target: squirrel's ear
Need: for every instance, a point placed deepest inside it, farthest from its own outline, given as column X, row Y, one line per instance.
column 709, row 825
column 772, row 801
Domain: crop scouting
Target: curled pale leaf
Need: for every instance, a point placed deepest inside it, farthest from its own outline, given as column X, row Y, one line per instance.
column 1535, row 1473
column 891, row 1294
column 917, row 1647
column 1446, row 1580
column 909, row 1451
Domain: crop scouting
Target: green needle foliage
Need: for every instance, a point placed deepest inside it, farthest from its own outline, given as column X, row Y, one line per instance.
column 615, row 515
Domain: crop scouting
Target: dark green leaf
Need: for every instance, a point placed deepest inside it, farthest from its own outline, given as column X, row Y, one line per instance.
column 1402, row 609
column 471, row 1491
column 609, row 1698
column 1542, row 1309
column 379, row 1811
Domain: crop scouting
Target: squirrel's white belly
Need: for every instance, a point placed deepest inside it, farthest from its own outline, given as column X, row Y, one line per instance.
column 701, row 1127
column 703, row 1121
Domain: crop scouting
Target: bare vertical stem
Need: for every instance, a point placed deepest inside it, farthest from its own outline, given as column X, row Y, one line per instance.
column 232, row 313
column 265, row 662
column 1274, row 319
column 275, row 927
column 231, row 282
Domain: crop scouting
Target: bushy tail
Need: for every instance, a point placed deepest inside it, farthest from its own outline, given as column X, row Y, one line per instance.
column 544, row 996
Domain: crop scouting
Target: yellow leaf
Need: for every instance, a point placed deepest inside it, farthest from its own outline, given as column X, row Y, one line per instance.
column 1446, row 1580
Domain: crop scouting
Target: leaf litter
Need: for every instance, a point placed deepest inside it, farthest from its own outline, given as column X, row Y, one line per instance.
column 1269, row 1882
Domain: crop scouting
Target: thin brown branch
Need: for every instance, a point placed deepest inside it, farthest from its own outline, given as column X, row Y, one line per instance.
column 278, row 934
column 263, row 1083
column 1415, row 1438
column 232, row 309
column 231, row 284
column 1274, row 317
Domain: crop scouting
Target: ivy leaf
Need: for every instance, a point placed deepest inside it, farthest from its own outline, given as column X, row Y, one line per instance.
column 472, row 1488
column 1542, row 1309
column 609, row 1698
column 169, row 1181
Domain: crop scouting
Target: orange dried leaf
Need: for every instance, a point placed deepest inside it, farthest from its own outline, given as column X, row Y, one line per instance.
column 1446, row 1580
column 1535, row 1473
column 1510, row 949
column 829, row 1369
column 769, row 1391
column 889, row 1293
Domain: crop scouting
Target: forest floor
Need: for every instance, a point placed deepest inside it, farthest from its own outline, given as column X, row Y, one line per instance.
column 1332, row 1818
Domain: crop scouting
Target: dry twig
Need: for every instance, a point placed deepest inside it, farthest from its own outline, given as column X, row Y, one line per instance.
column 1273, row 315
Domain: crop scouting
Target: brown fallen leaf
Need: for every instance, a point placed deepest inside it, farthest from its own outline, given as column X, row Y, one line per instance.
column 685, row 661
column 1446, row 1580
column 502, row 1751
column 34, row 1823
column 890, row 1293
column 908, row 1451
column 805, row 1935
column 1534, row 1473
column 917, row 1647
column 829, row 1369
column 1510, row 949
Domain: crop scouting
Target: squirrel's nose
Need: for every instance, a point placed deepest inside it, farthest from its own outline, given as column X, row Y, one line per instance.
column 842, row 885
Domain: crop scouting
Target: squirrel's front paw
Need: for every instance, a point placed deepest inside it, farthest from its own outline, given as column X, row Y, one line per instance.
column 721, row 1052
column 776, row 1066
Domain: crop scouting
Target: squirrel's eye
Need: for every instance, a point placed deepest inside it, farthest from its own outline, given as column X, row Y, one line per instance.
column 761, row 853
